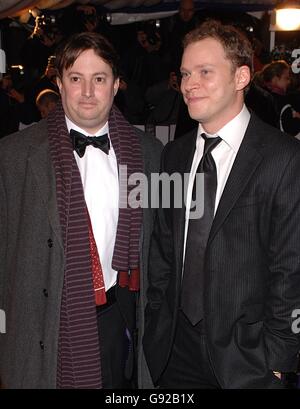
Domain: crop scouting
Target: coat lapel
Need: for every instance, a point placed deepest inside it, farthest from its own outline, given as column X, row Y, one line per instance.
column 184, row 160
column 245, row 164
column 44, row 176
column 186, row 149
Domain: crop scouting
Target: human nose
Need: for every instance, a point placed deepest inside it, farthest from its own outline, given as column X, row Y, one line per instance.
column 88, row 88
column 189, row 82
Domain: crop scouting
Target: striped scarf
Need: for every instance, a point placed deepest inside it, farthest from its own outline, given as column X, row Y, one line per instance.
column 79, row 364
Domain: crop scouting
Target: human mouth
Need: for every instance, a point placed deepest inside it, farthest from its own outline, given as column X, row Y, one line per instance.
column 87, row 103
column 193, row 100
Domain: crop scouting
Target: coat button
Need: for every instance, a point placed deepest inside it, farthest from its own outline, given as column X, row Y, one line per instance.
column 45, row 292
column 42, row 345
column 50, row 243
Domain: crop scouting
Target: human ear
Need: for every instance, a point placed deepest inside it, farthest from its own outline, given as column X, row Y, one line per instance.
column 58, row 83
column 116, row 86
column 243, row 77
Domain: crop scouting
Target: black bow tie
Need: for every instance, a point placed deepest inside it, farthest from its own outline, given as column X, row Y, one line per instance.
column 81, row 141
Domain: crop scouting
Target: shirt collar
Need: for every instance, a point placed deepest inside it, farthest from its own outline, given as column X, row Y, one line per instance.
column 71, row 125
column 233, row 132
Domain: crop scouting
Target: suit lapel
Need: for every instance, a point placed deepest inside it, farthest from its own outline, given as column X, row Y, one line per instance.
column 245, row 164
column 183, row 162
column 184, row 159
column 44, row 175
column 186, row 150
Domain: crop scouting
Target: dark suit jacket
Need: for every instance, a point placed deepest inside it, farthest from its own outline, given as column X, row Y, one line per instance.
column 31, row 265
column 252, row 263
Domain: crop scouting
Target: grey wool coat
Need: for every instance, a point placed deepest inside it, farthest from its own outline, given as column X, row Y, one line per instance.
column 32, row 258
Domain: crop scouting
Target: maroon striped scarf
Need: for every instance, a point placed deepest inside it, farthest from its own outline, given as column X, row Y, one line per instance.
column 79, row 364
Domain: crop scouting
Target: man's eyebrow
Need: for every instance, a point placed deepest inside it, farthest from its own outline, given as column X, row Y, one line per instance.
column 81, row 73
column 204, row 65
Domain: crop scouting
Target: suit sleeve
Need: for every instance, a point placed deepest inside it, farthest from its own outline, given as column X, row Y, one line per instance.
column 282, row 341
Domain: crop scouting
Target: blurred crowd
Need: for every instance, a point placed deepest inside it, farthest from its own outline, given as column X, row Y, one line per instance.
column 150, row 54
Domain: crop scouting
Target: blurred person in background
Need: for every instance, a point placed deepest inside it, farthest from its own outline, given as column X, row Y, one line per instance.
column 48, row 79
column 270, row 90
column 9, row 101
column 46, row 102
column 181, row 24
column 18, row 110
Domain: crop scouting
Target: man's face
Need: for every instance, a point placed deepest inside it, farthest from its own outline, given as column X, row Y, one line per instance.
column 7, row 83
column 186, row 10
column 87, row 91
column 283, row 81
column 45, row 109
column 212, row 90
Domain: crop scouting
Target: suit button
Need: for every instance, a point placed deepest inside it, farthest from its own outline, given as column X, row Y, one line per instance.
column 42, row 345
column 45, row 292
column 50, row 243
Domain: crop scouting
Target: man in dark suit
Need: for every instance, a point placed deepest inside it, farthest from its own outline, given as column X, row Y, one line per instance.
column 72, row 250
column 225, row 286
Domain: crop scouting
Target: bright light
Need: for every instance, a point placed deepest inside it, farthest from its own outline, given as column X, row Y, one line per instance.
column 34, row 12
column 288, row 19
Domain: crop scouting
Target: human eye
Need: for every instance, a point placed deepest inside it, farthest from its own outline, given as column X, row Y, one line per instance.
column 99, row 79
column 184, row 75
column 74, row 78
column 204, row 72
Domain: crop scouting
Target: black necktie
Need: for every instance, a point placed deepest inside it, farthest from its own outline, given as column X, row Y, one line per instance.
column 80, row 142
column 197, row 236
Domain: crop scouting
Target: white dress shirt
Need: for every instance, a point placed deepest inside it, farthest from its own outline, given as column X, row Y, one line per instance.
column 224, row 155
column 99, row 176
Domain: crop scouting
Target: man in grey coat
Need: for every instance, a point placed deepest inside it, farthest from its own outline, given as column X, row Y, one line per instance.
column 73, row 250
